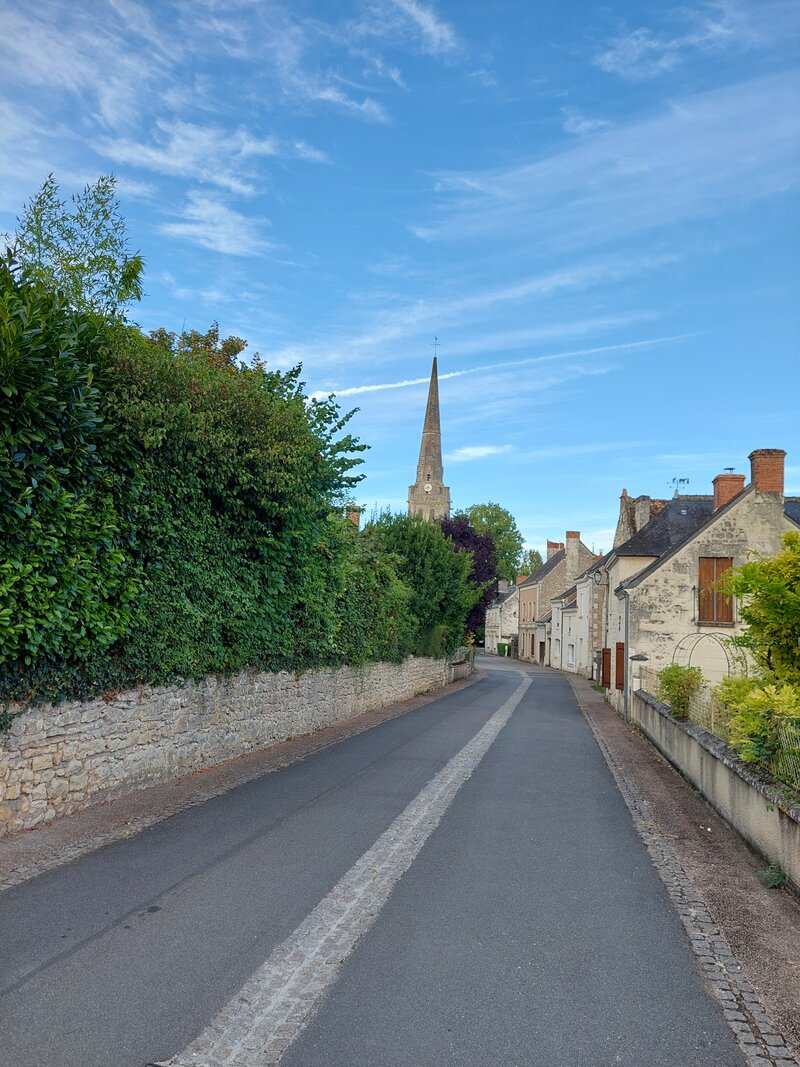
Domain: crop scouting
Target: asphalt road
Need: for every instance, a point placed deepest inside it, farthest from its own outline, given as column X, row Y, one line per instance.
column 530, row 929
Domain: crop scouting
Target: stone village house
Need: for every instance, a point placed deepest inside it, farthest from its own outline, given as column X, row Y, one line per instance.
column 502, row 617
column 565, row 561
column 662, row 599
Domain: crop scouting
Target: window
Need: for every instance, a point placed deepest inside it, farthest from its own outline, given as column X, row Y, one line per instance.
column 570, row 655
column 713, row 606
column 619, row 672
column 606, row 668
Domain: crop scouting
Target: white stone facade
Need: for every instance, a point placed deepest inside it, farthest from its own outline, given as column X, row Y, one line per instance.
column 56, row 760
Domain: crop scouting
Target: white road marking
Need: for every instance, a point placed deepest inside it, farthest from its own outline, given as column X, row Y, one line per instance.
column 260, row 1022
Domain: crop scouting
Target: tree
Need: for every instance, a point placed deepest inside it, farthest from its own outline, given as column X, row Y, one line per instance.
column 770, row 592
column 530, row 561
column 465, row 538
column 491, row 520
column 79, row 247
column 437, row 576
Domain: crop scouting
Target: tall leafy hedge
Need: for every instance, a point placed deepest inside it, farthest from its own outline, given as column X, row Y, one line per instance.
column 170, row 512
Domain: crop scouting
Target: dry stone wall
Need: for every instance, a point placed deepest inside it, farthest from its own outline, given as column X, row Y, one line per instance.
column 55, row 760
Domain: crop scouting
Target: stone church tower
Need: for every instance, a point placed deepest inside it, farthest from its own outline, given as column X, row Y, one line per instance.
column 429, row 497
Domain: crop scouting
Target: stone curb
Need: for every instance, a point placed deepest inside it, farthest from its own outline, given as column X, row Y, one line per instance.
column 29, row 853
column 755, row 1034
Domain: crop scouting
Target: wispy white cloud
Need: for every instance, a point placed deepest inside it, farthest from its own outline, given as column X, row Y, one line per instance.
column 486, row 78
column 715, row 26
column 210, row 223
column 580, row 124
column 437, row 35
column 204, row 153
column 68, row 49
column 467, row 453
column 357, row 390
column 366, row 108
column 701, row 156
column 395, row 323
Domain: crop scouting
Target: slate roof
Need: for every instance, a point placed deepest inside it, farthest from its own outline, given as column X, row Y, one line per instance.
column 596, row 566
column 502, row 596
column 791, row 508
column 675, row 522
column 569, row 596
column 545, row 568
column 548, row 615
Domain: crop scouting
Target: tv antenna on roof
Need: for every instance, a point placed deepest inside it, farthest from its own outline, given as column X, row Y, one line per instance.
column 678, row 485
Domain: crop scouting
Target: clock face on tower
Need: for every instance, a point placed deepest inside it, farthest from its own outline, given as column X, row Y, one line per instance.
column 427, row 487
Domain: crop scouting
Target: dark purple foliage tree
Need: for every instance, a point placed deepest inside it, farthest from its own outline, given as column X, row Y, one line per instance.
column 466, row 538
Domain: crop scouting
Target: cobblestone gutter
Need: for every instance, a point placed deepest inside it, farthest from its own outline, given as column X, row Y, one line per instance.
column 56, row 760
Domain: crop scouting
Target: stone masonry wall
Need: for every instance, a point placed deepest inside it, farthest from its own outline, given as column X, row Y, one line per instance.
column 55, row 760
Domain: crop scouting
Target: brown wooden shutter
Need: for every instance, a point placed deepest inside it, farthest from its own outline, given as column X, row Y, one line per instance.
column 619, row 681
column 712, row 604
column 605, row 680
column 723, row 604
column 705, row 581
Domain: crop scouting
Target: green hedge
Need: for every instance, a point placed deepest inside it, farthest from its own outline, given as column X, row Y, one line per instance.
column 171, row 512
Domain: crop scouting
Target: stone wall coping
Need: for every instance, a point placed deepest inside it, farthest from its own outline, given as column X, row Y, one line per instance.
column 763, row 783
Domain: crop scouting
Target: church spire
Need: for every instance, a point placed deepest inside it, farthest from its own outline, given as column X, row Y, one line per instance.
column 429, row 497
column 429, row 467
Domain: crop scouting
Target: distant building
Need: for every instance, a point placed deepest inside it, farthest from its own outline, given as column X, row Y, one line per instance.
column 429, row 497
column 502, row 617
column 565, row 561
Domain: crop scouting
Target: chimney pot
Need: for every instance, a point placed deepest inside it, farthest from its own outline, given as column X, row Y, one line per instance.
column 353, row 514
column 726, row 487
column 553, row 547
column 573, row 535
column 766, row 467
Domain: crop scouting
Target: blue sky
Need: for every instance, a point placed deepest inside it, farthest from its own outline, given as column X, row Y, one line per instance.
column 594, row 207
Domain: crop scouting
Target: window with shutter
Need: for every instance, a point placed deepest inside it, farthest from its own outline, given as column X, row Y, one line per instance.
column 619, row 680
column 605, row 679
column 713, row 606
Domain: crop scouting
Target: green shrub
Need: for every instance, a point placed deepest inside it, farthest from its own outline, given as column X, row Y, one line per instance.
column 758, row 710
column 66, row 580
column 676, row 687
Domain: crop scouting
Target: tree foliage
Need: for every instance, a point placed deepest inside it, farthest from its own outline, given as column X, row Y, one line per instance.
column 79, row 247
column 66, row 586
column 437, row 576
column 530, row 561
column 491, row 520
column 465, row 538
column 169, row 510
column 770, row 593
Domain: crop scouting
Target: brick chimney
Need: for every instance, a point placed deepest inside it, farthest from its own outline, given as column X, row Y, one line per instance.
column 766, row 467
column 573, row 556
column 353, row 514
column 726, row 487
column 553, row 547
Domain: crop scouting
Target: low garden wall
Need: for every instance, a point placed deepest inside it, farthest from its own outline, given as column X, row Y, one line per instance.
column 55, row 760
column 758, row 810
